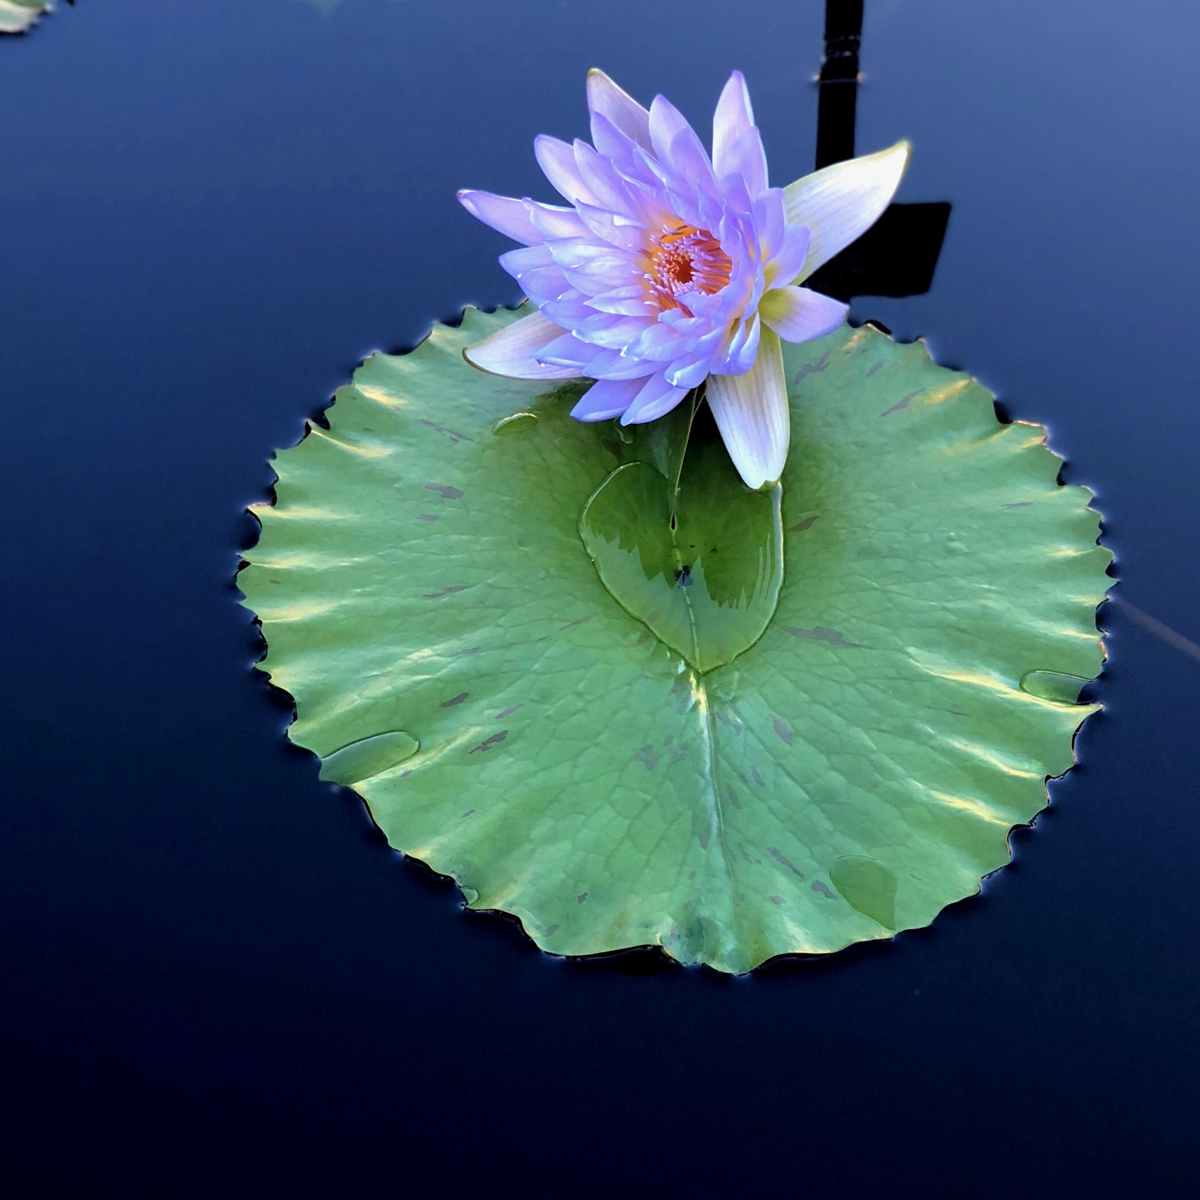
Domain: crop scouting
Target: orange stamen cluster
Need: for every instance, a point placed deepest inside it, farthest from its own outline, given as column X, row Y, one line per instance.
column 685, row 257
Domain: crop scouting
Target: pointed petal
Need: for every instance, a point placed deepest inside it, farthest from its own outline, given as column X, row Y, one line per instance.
column 733, row 117
column 656, row 398
column 751, row 412
column 798, row 314
column 553, row 222
column 770, row 222
column 688, row 161
column 789, row 259
column 747, row 158
column 665, row 122
column 601, row 180
column 618, row 106
column 557, row 161
column 841, row 202
column 513, row 351
column 609, row 331
column 607, row 398
column 614, row 145
column 564, row 351
column 567, row 308
column 743, row 349
column 629, row 301
column 686, row 373
column 509, row 216
column 536, row 271
column 612, row 364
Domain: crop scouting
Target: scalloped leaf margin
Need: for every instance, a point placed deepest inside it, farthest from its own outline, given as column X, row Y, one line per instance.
column 427, row 601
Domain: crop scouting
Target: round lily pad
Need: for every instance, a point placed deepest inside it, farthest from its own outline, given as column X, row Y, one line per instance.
column 606, row 689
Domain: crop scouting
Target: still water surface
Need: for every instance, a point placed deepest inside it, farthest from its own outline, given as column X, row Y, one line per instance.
column 209, row 212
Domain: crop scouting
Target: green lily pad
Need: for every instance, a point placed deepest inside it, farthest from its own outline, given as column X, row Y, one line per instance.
column 16, row 16
column 779, row 784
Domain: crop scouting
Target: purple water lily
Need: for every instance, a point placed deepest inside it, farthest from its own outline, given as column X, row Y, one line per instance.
column 670, row 268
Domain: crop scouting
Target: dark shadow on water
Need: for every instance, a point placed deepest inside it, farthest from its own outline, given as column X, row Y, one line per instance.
column 898, row 254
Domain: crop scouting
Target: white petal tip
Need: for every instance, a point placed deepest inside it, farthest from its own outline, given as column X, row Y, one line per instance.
column 904, row 148
column 751, row 412
column 471, row 362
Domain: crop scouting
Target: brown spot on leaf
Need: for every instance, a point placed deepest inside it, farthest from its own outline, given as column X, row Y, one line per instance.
column 448, row 492
column 818, row 886
column 802, row 525
column 504, row 712
column 812, row 368
column 775, row 899
column 903, row 402
column 450, row 591
column 426, row 517
column 468, row 812
column 581, row 898
column 552, row 931
column 1020, row 504
column 819, row 633
column 733, row 798
column 452, row 434
column 782, row 729
column 454, row 700
column 757, row 777
column 464, row 653
column 494, row 740
column 648, row 757
column 873, row 368
column 787, row 862
column 572, row 624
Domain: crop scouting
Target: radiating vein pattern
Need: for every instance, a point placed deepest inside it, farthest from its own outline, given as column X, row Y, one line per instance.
column 841, row 774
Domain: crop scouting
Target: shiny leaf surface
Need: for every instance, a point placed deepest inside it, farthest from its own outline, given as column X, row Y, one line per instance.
column 426, row 597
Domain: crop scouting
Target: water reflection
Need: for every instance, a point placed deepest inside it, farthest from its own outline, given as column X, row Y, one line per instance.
column 896, row 256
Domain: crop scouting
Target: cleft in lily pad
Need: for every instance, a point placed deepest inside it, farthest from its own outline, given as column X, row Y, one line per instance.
column 691, row 552
column 479, row 606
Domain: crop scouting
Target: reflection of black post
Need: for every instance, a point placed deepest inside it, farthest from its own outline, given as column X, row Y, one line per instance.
column 838, row 81
column 897, row 255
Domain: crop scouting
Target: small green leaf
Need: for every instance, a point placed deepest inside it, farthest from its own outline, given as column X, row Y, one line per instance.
column 368, row 757
column 454, row 654
column 705, row 577
column 867, row 886
column 1052, row 685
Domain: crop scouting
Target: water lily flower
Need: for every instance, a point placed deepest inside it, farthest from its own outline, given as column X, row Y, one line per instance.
column 670, row 268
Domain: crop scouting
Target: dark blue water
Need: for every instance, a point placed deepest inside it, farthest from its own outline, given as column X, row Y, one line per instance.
column 215, row 974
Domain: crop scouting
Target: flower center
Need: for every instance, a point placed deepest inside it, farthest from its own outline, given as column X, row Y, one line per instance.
column 685, row 257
